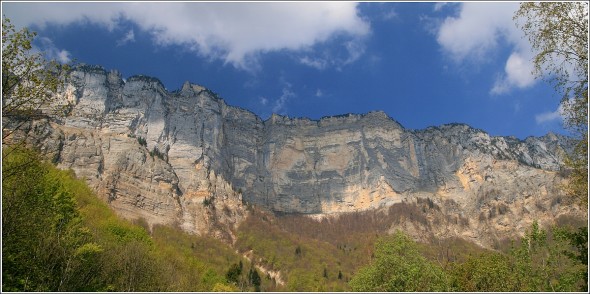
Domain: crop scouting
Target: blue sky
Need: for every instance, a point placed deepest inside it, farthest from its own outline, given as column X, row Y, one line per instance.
column 424, row 64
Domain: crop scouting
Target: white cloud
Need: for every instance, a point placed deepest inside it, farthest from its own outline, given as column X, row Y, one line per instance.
column 477, row 32
column 518, row 73
column 263, row 100
column 334, row 57
column 234, row 32
column 128, row 38
column 519, row 70
column 317, row 63
column 63, row 56
column 40, row 14
column 53, row 53
column 439, row 5
column 319, row 93
column 547, row 117
column 516, row 107
column 279, row 105
column 355, row 50
column 389, row 14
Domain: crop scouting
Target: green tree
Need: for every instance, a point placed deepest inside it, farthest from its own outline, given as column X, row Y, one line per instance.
column 254, row 278
column 220, row 287
column 399, row 267
column 487, row 272
column 233, row 273
column 45, row 247
column 131, row 266
column 298, row 250
column 29, row 82
column 540, row 263
column 577, row 253
column 558, row 31
column 301, row 280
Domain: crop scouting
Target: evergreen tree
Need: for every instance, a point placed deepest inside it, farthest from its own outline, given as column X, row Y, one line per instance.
column 254, row 278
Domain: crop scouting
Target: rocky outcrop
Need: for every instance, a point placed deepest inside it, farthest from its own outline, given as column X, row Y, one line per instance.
column 187, row 158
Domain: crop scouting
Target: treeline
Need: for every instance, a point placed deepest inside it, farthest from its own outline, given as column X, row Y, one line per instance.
column 355, row 253
column 323, row 255
column 58, row 236
column 304, row 263
column 343, row 229
column 554, row 261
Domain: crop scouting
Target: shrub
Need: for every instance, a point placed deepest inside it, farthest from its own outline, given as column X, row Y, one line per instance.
column 142, row 141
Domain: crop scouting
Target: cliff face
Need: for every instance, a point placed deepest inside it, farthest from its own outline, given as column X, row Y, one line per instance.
column 187, row 158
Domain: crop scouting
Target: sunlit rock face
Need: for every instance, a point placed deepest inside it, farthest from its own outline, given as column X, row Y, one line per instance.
column 186, row 158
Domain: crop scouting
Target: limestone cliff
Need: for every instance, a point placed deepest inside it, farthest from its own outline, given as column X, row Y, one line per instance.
column 187, row 158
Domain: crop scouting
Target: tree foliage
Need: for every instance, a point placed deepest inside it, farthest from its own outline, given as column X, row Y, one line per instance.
column 29, row 81
column 233, row 273
column 57, row 235
column 45, row 246
column 485, row 272
column 254, row 279
column 538, row 263
column 558, row 32
column 399, row 267
column 541, row 261
column 578, row 251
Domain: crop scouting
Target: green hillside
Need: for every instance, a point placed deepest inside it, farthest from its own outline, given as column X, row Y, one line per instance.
column 57, row 235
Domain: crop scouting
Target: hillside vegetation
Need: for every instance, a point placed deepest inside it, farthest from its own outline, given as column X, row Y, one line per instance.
column 57, row 235
column 356, row 252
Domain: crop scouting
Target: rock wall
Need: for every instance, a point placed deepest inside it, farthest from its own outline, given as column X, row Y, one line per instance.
column 189, row 159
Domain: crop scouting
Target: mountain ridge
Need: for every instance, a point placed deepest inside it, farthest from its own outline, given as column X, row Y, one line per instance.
column 186, row 157
column 214, row 95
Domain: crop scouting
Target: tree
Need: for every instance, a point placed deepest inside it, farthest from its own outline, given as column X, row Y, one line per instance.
column 399, row 267
column 487, row 272
column 220, row 287
column 45, row 247
column 29, row 82
column 254, row 278
column 578, row 240
column 537, row 262
column 233, row 273
column 541, row 263
column 558, row 31
column 298, row 250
